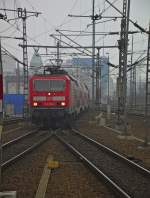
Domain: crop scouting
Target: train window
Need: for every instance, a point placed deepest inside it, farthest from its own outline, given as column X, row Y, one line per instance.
column 49, row 85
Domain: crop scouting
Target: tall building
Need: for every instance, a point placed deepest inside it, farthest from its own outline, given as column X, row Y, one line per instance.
column 35, row 63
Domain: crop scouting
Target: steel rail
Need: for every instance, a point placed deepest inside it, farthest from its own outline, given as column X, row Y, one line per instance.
column 13, row 120
column 134, row 112
column 20, row 155
column 19, row 138
column 114, row 153
column 119, row 132
column 11, row 130
column 119, row 191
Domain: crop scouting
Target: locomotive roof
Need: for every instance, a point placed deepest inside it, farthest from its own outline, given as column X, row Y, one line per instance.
column 46, row 75
column 52, row 75
column 61, row 75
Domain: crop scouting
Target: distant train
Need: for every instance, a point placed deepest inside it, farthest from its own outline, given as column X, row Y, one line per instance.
column 55, row 99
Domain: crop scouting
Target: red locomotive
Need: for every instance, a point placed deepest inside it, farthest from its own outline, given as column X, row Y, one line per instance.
column 56, row 98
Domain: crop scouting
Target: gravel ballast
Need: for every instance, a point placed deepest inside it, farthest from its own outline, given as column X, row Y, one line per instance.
column 72, row 179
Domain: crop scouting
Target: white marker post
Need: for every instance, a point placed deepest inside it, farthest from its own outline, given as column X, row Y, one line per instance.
column 1, row 109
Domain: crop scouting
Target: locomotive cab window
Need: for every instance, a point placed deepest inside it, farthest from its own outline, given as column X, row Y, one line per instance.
column 49, row 85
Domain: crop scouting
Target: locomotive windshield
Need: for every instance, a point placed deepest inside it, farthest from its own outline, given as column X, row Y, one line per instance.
column 49, row 85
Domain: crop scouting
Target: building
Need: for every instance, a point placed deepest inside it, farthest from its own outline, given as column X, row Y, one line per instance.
column 83, row 70
column 11, row 75
column 9, row 64
column 35, row 63
column 13, row 87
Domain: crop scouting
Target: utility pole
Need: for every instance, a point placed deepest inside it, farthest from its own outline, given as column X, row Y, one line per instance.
column 98, row 79
column 18, row 79
column 1, row 110
column 58, row 60
column 94, row 18
column 132, row 78
column 147, row 95
column 108, row 87
column 93, row 51
column 108, row 92
column 22, row 13
column 122, row 79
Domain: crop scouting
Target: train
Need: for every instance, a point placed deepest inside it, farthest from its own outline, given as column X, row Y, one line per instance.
column 56, row 99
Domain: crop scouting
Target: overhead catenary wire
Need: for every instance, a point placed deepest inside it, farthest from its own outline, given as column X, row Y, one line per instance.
column 30, row 38
column 6, row 44
column 70, row 10
column 136, row 63
column 12, row 56
column 45, row 19
column 72, row 40
column 18, row 29
column 101, row 13
column 134, row 23
column 69, row 45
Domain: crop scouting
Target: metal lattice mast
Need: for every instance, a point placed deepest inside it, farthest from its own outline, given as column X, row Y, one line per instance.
column 93, row 51
column 23, row 14
column 147, row 96
column 132, row 81
column 1, row 110
column 25, row 68
column 98, row 78
column 147, row 93
column 134, row 85
column 131, row 77
column 122, row 79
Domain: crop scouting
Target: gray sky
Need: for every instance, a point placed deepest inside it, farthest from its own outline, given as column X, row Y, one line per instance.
column 55, row 15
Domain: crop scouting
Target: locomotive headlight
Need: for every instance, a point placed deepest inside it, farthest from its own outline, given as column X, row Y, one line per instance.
column 63, row 103
column 35, row 104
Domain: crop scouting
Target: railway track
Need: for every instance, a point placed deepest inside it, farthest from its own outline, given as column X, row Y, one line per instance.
column 12, row 121
column 20, row 146
column 12, row 124
column 126, row 178
column 13, row 141
column 71, row 179
column 130, row 112
column 16, row 133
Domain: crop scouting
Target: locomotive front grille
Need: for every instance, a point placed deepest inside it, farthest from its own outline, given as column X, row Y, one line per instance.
column 58, row 98
column 39, row 98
